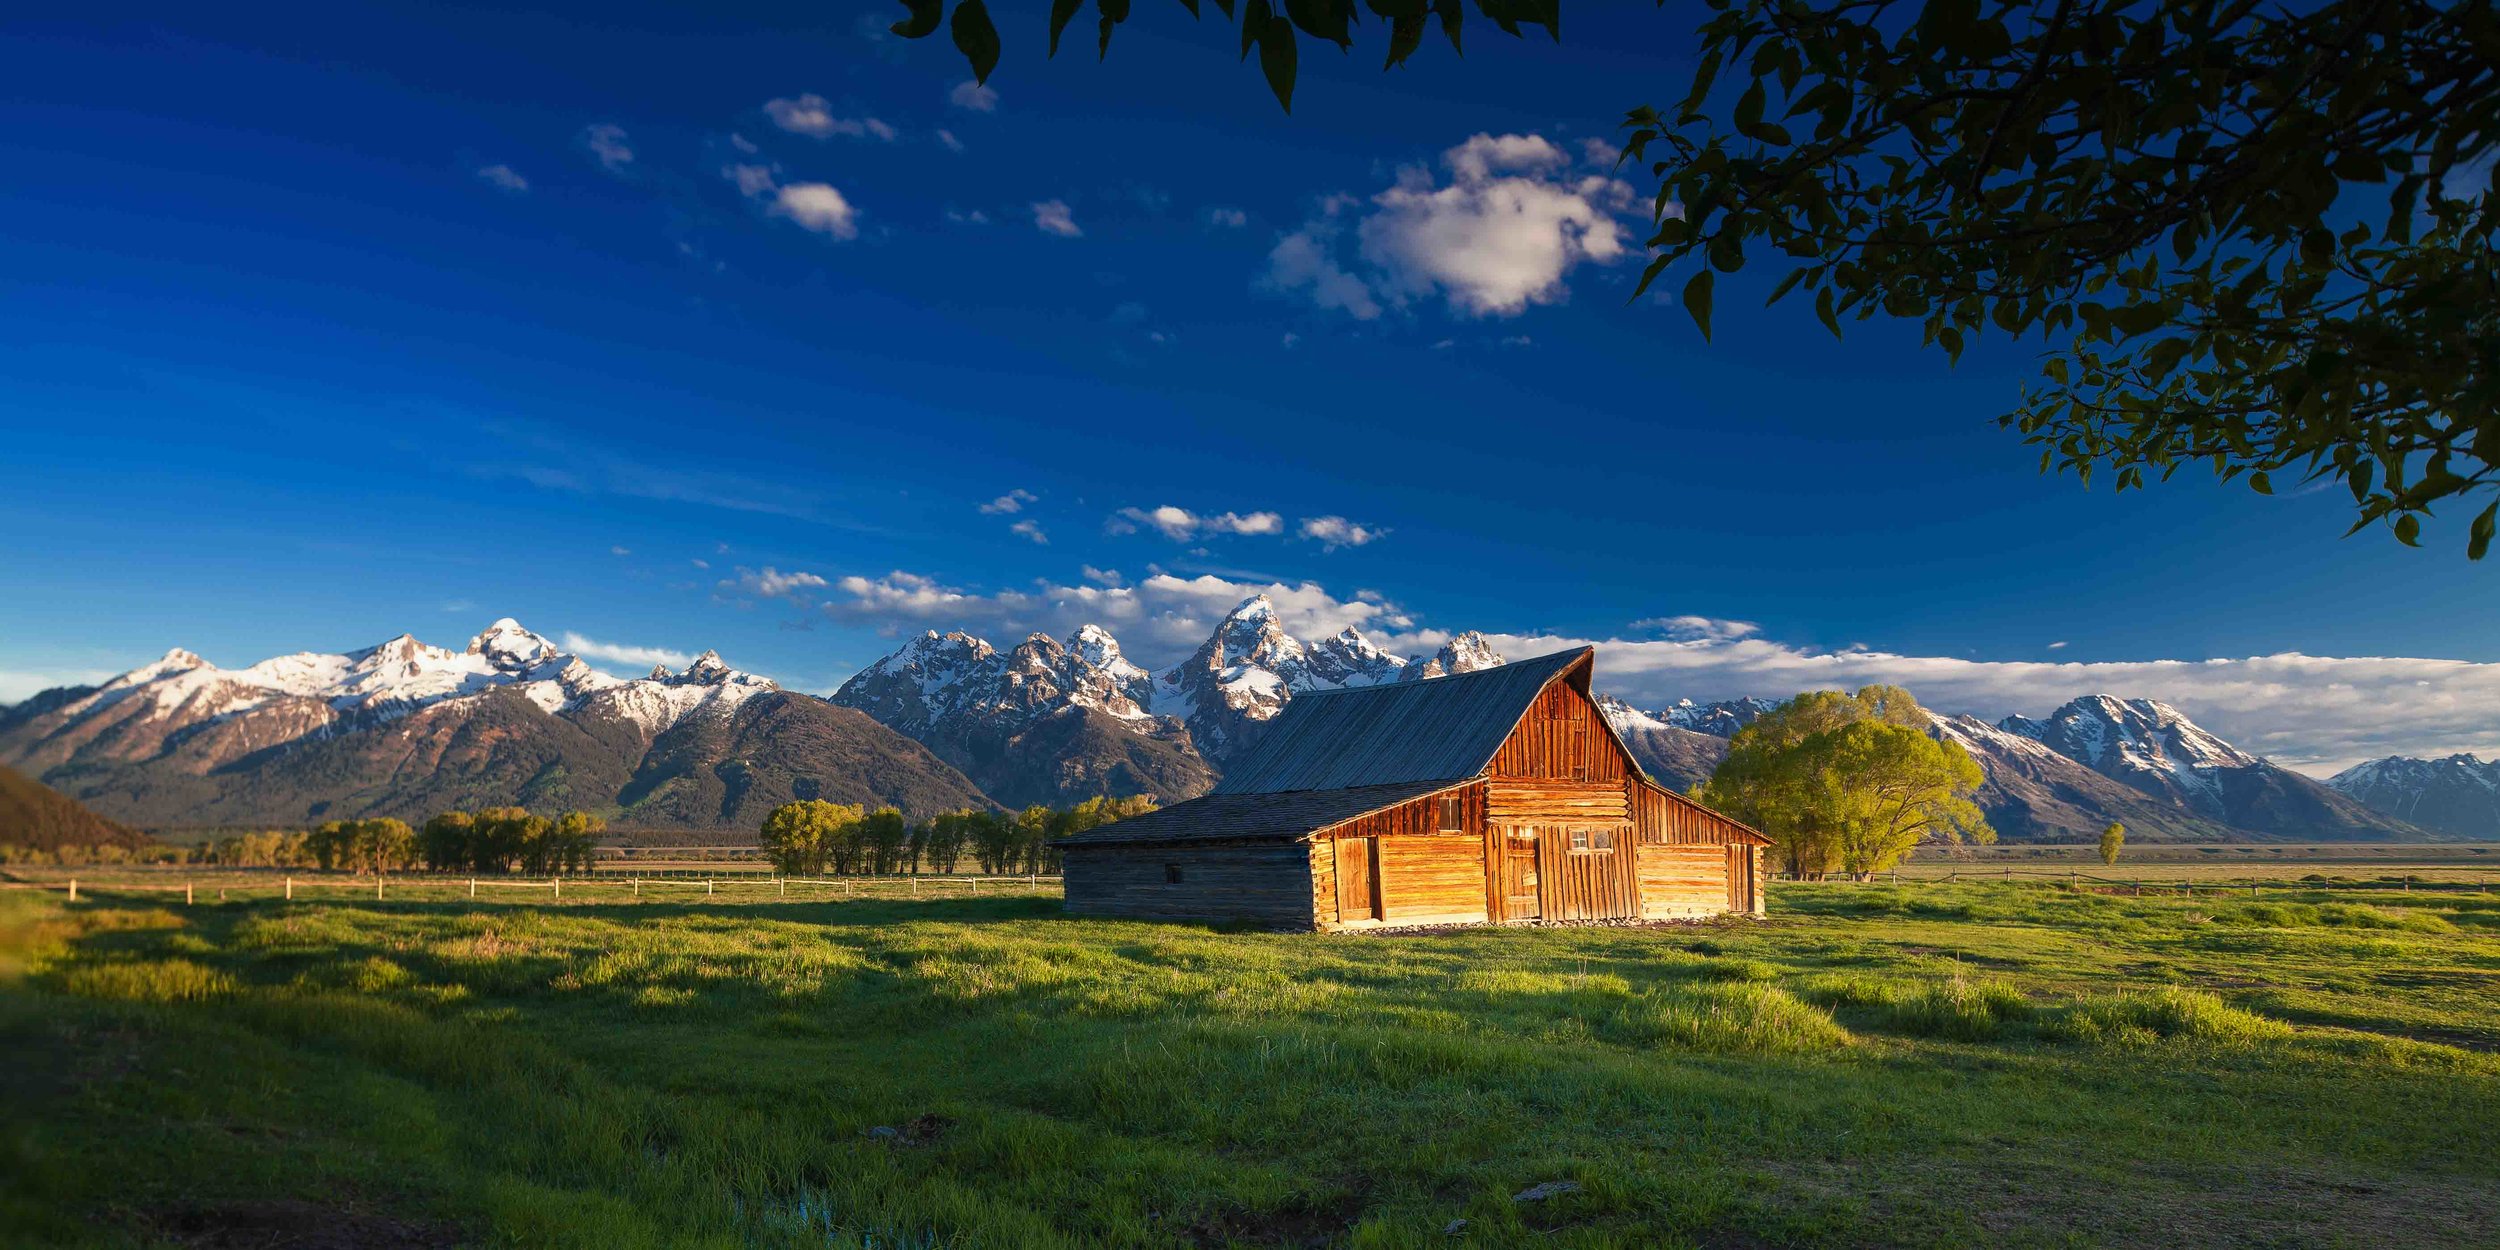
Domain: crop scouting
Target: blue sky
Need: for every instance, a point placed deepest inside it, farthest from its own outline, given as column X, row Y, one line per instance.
column 325, row 323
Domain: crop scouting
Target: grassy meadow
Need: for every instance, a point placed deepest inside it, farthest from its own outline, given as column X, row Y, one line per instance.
column 1974, row 1064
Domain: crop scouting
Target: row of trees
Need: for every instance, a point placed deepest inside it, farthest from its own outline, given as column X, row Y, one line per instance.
column 506, row 839
column 1848, row 783
column 814, row 836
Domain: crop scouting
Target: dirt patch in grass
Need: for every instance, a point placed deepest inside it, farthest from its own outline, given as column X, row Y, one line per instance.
column 1300, row 1225
column 285, row 1224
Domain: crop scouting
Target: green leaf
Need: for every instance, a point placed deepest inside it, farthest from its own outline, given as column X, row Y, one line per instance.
column 975, row 37
column 2260, row 483
column 1276, row 59
column 1254, row 16
column 1061, row 13
column 924, row 18
column 1325, row 19
column 2478, row 538
column 1697, row 300
column 2409, row 530
column 1113, row 13
column 1405, row 35
column 1823, row 309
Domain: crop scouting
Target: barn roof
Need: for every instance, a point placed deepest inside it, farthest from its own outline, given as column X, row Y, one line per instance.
column 1441, row 729
column 1237, row 817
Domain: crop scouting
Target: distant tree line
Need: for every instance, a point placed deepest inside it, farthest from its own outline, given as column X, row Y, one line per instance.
column 815, row 836
column 510, row 839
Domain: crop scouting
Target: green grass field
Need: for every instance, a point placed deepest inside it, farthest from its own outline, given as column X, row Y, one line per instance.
column 1929, row 1064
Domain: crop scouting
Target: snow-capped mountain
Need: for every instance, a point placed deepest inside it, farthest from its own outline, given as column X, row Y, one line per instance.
column 405, row 728
column 1249, row 668
column 1720, row 719
column 1046, row 722
column 1464, row 653
column 2459, row 795
column 1676, row 756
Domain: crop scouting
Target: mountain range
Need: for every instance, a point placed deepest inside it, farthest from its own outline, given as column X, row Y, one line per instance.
column 947, row 720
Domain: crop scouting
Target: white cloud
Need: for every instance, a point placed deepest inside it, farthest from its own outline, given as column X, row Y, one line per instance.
column 1289, row 341
column 771, row 583
column 1597, row 151
column 1030, row 528
column 743, row 144
column 1698, row 628
column 1229, row 218
column 622, row 653
column 1181, row 525
column 502, row 178
column 619, row 551
column 1333, row 532
column 1501, row 235
column 2057, row 646
column 752, row 180
column 1053, row 217
column 1517, row 340
column 974, row 218
column 947, row 137
column 1160, row 619
column 1012, row 501
column 810, row 115
column 1103, row 577
column 607, row 143
column 818, row 207
column 973, row 96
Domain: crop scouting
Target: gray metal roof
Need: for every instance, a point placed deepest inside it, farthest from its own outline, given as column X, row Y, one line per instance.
column 1242, row 817
column 1434, row 729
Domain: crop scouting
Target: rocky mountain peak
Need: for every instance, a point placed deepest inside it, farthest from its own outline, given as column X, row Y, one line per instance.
column 507, row 646
column 1463, row 653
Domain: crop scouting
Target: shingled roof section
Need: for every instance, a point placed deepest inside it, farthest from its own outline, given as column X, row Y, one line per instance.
column 1435, row 729
column 1253, row 817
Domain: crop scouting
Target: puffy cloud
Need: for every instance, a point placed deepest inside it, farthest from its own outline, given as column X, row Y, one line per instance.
column 1054, row 217
column 1698, row 628
column 620, row 550
column 1160, row 619
column 974, row 97
column 752, row 180
column 622, row 653
column 771, row 583
column 502, row 178
column 1030, row 528
column 1012, row 501
column 1597, row 151
column 1502, row 234
column 947, row 137
column 1181, row 525
column 1229, row 218
column 818, row 207
column 1103, row 577
column 1333, row 532
column 810, row 115
column 607, row 144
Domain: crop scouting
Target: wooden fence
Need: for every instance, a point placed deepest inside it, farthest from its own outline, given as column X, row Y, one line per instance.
column 815, row 888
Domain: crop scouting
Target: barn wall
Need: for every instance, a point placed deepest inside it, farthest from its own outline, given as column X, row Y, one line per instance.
column 1266, row 882
column 1415, row 816
column 1690, row 880
column 1433, row 879
column 1665, row 819
column 1562, row 738
column 1509, row 802
column 1321, row 858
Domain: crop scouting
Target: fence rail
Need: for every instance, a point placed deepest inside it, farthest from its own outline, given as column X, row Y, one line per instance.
column 191, row 888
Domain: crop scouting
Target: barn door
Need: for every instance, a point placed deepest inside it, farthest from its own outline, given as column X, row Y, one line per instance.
column 1515, row 873
column 1740, row 878
column 1358, row 885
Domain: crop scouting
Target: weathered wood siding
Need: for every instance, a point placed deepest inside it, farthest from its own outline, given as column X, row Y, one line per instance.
column 1432, row 879
column 1669, row 819
column 1418, row 816
column 1562, row 738
column 1541, row 802
column 1322, row 862
column 1690, row 880
column 1266, row 882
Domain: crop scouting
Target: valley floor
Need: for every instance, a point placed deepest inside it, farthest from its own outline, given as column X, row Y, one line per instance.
column 1977, row 1064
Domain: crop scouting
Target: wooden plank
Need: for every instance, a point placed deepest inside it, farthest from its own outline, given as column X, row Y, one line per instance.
column 1358, row 896
column 1265, row 882
column 1432, row 878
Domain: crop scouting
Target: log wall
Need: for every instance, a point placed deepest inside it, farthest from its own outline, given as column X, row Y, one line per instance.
column 1689, row 880
column 1265, row 882
column 1432, row 879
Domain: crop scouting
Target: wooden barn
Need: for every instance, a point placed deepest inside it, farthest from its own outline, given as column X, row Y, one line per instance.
column 1499, row 795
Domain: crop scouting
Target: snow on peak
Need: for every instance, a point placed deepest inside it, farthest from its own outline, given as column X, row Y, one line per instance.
column 1625, row 717
column 511, row 648
column 708, row 669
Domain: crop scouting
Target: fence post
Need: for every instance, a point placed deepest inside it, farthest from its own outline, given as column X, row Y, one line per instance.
column 637, row 887
column 558, row 883
column 783, row 886
column 290, row 889
column 377, row 887
column 707, row 887
column 73, row 889
column 186, row 894
column 472, row 887
column 915, row 887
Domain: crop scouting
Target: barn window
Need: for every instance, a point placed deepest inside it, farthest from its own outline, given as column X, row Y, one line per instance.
column 1579, row 839
column 1171, row 874
column 1453, row 814
column 1602, row 840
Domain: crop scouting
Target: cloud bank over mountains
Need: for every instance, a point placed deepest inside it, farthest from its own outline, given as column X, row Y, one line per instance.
column 2316, row 714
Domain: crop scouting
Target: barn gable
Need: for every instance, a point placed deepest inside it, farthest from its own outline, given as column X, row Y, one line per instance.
column 1441, row 729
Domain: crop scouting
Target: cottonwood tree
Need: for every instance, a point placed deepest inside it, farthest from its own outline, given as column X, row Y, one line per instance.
column 2254, row 239
column 2113, row 840
column 1848, row 783
column 800, row 837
